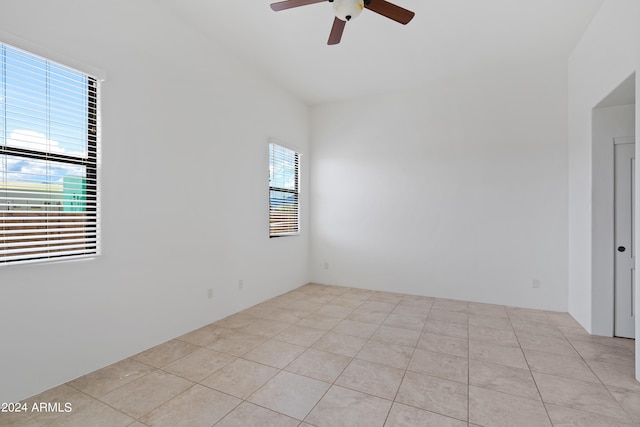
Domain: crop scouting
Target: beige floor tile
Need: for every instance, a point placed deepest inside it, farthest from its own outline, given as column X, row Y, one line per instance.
column 266, row 328
column 335, row 310
column 371, row 378
column 440, row 365
column 290, row 394
column 505, row 379
column 236, row 321
column 275, row 353
column 416, row 310
column 407, row 416
column 341, row 407
column 444, row 344
column 399, row 336
column 20, row 419
column 319, row 297
column 346, row 345
column 630, row 401
column 563, row 319
column 492, row 408
column 348, row 301
column 165, row 353
column 449, row 329
column 613, row 374
column 200, row 364
column 205, row 335
column 527, row 314
column 509, row 356
column 240, row 378
column 437, row 395
column 147, row 393
column 536, row 328
column 372, row 306
column 94, row 414
column 580, row 395
column 375, row 347
column 374, row 318
column 306, row 305
column 237, row 343
column 279, row 314
column 596, row 352
column 493, row 336
column 358, row 293
column 105, row 380
column 300, row 335
column 355, row 328
column 491, row 310
column 319, row 321
column 197, row 407
column 415, row 323
column 556, row 364
column 388, row 297
column 547, row 344
column 319, row 364
column 629, row 344
column 451, row 305
column 449, row 316
column 417, row 301
column 580, row 335
column 567, row 417
column 501, row 323
column 393, row 355
column 248, row 414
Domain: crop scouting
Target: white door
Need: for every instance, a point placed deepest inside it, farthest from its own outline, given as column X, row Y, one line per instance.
column 624, row 241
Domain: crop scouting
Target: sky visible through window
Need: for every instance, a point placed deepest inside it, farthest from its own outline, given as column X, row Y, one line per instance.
column 43, row 107
column 282, row 171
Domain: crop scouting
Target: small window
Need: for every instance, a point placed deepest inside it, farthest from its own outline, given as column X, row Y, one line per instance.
column 284, row 191
column 49, row 136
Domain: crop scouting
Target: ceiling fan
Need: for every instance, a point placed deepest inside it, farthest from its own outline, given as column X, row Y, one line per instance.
column 346, row 10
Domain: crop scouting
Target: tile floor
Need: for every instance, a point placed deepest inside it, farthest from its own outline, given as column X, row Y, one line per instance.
column 334, row 356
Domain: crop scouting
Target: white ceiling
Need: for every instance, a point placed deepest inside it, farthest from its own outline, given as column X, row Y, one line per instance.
column 378, row 55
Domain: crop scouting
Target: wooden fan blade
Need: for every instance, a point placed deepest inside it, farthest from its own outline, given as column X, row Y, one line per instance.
column 288, row 4
column 390, row 10
column 336, row 31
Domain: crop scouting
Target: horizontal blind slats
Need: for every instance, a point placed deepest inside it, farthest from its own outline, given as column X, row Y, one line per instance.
column 49, row 117
column 283, row 191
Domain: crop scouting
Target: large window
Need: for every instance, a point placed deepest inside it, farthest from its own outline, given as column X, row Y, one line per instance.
column 49, row 136
column 284, row 191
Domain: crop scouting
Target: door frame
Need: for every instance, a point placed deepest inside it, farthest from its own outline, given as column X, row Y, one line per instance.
column 621, row 140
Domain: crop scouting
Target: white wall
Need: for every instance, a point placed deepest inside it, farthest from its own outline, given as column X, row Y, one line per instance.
column 607, row 54
column 457, row 190
column 184, row 185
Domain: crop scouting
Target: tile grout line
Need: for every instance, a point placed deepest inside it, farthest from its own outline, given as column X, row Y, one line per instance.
column 530, row 371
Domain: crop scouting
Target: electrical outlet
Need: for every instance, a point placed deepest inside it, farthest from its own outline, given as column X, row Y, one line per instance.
column 210, row 293
column 240, row 284
column 326, row 265
column 536, row 283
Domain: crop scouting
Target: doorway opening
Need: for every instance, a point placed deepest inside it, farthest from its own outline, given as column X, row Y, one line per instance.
column 613, row 119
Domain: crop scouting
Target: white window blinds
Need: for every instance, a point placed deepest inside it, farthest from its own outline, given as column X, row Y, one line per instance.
column 49, row 136
column 284, row 185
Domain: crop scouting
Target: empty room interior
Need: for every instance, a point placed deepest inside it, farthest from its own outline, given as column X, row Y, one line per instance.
column 465, row 192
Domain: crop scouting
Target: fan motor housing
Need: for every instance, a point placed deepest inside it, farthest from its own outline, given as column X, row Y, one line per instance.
column 346, row 10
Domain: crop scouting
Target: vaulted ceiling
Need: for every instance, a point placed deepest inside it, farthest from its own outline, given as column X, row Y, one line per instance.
column 446, row 37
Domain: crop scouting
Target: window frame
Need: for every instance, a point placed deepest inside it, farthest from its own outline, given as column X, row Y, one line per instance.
column 90, row 160
column 295, row 192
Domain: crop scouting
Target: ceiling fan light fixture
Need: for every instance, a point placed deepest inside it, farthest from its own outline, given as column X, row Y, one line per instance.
column 347, row 10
